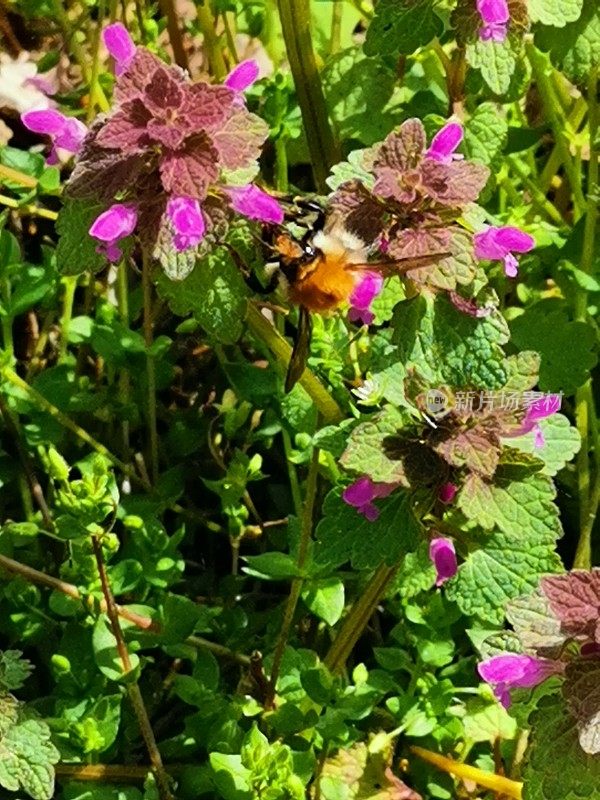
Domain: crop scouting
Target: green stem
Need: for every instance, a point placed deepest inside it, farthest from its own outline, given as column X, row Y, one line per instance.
column 124, row 381
column 150, row 366
column 552, row 165
column 542, row 70
column 169, row 11
column 262, row 328
column 281, row 165
column 584, row 398
column 358, row 618
column 28, row 208
column 11, row 174
column 538, row 198
column 206, row 21
column 292, row 474
column 335, row 41
column 324, row 152
column 70, row 285
column 95, row 87
column 294, row 596
column 230, row 38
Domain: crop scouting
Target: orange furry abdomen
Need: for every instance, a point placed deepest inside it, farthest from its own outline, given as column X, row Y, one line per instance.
column 325, row 285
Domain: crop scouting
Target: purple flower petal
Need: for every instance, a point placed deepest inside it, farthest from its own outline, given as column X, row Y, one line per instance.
column 445, row 142
column 538, row 438
column 46, row 121
column 544, row 407
column 120, row 45
column 498, row 243
column 511, row 266
column 358, row 315
column 369, row 511
column 443, row 556
column 516, row 671
column 114, row 224
column 514, row 239
column 447, row 492
column 366, row 290
column 188, row 221
column 359, row 493
column 242, row 76
column 493, row 12
column 72, row 135
column 253, row 203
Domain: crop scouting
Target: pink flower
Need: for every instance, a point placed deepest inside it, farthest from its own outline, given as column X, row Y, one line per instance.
column 187, row 219
column 67, row 133
column 539, row 409
column 253, row 203
column 114, row 224
column 447, row 492
column 242, row 76
column 516, row 671
column 120, row 45
column 361, row 494
column 495, row 17
column 443, row 556
column 365, row 291
column 445, row 142
column 498, row 244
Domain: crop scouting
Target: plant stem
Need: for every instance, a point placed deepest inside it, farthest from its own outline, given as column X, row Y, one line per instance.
column 497, row 783
column 262, row 328
column 117, row 773
column 230, row 38
column 70, row 286
column 335, row 41
column 169, row 11
column 95, row 87
column 358, row 618
column 324, row 152
column 292, row 474
column 150, row 366
column 296, row 588
column 122, row 289
column 28, row 208
column 538, row 198
column 552, row 109
column 133, row 690
column 552, row 165
column 15, row 175
column 584, row 398
column 281, row 164
column 206, row 21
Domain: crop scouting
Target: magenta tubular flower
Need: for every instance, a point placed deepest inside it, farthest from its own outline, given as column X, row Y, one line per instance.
column 495, row 17
column 447, row 492
column 66, row 133
column 188, row 222
column 499, row 244
column 443, row 557
column 114, row 224
column 445, row 142
column 252, row 202
column 120, row 45
column 243, row 76
column 540, row 409
column 361, row 494
column 365, row 291
column 516, row 671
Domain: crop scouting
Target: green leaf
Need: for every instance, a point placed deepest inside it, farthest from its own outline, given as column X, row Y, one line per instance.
column 343, row 534
column 497, row 62
column 486, row 720
column 402, row 26
column 272, row 566
column 106, row 654
column 230, row 776
column 574, row 48
column 556, row 767
column 443, row 345
column 27, row 757
column 14, row 670
column 76, row 249
column 567, row 348
column 554, row 12
column 214, row 292
column 357, row 90
column 561, row 442
column 325, row 598
column 486, row 134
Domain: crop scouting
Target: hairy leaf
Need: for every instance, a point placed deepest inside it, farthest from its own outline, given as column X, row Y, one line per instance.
column 76, row 249
column 581, row 690
column 575, row 600
column 27, row 757
column 554, row 12
column 401, row 26
column 561, row 442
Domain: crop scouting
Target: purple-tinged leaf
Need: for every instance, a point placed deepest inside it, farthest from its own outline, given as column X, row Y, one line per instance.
column 132, row 83
column 536, row 626
column 163, row 93
column 581, row 691
column 359, row 210
column 454, row 184
column 403, row 149
column 575, row 600
column 104, row 176
column 239, row 139
column 206, row 107
column 475, row 446
column 125, row 130
column 190, row 170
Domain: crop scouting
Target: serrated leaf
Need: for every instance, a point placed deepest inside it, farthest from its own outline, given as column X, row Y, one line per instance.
column 554, row 12
column 574, row 48
column 27, row 757
column 504, row 567
column 497, row 62
column 523, row 370
column 581, row 691
column 486, row 720
column 446, row 346
column 575, row 600
column 76, row 249
column 402, row 26
column 556, row 767
column 561, row 442
column 537, row 628
column 514, row 507
column 214, row 292
column 14, row 670
column 567, row 348
column 486, row 134
column 343, row 534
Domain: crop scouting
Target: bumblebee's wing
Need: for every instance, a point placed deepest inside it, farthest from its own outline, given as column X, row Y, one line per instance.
column 400, row 266
column 299, row 355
